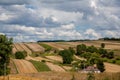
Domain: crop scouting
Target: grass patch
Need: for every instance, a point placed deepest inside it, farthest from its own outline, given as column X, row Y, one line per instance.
column 47, row 47
column 40, row 66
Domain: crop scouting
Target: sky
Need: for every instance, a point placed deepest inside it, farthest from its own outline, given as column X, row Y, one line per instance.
column 33, row 20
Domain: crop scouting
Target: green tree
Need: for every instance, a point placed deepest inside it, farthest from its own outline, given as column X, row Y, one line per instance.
column 94, row 58
column 103, row 52
column 92, row 49
column 72, row 50
column 102, row 45
column 67, row 56
column 81, row 49
column 20, row 55
column 110, row 55
column 100, row 65
column 5, row 51
column 86, row 55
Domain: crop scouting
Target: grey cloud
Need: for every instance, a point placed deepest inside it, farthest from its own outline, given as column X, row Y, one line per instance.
column 11, row 2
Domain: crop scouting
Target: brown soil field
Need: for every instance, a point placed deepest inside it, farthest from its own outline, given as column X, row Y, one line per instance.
column 18, row 47
column 13, row 69
column 14, row 50
column 56, row 58
column 24, row 66
column 112, row 67
column 54, row 45
column 54, row 67
column 67, row 68
column 35, row 47
column 37, row 58
column 25, row 48
column 64, row 45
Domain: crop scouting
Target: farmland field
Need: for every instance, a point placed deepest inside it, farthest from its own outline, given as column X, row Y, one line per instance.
column 25, row 48
column 35, row 47
column 54, row 45
column 56, row 58
column 55, row 67
column 18, row 47
column 52, row 62
column 24, row 66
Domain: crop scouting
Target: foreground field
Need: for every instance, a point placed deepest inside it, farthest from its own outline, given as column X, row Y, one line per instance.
column 61, row 76
column 112, row 67
column 24, row 66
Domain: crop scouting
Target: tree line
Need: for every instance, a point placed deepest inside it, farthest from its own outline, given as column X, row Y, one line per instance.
column 92, row 55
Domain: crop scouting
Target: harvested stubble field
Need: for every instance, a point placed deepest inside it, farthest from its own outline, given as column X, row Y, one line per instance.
column 37, row 58
column 54, row 45
column 55, row 67
column 61, row 76
column 56, row 58
column 13, row 67
column 63, row 45
column 18, row 47
column 35, row 47
column 112, row 68
column 25, row 48
column 24, row 66
column 14, row 50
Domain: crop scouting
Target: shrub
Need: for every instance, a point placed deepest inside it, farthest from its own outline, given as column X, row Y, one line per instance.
column 67, row 56
column 20, row 55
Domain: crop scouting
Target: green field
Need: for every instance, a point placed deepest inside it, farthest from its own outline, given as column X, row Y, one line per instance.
column 40, row 66
column 47, row 47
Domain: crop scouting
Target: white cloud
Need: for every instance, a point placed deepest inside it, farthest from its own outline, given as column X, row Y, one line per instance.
column 68, row 27
column 59, row 19
column 91, row 33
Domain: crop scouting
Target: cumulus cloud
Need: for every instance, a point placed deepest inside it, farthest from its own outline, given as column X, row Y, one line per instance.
column 32, row 20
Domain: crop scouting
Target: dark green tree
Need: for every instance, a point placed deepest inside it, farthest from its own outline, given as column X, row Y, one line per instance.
column 86, row 55
column 110, row 55
column 72, row 50
column 92, row 49
column 102, row 52
column 20, row 55
column 102, row 45
column 81, row 49
column 5, row 51
column 100, row 65
column 67, row 56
